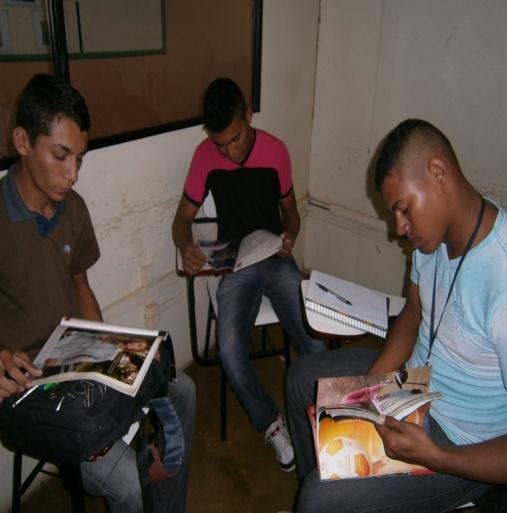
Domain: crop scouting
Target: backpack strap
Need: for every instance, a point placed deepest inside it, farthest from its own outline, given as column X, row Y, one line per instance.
column 172, row 449
column 161, row 448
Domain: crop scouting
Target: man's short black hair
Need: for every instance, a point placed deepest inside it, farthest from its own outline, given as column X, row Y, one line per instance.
column 45, row 98
column 397, row 140
column 223, row 101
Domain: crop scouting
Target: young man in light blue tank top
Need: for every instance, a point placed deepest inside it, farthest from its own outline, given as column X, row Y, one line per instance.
column 459, row 272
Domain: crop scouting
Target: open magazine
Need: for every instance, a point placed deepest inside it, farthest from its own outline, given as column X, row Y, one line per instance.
column 116, row 356
column 234, row 256
column 346, row 441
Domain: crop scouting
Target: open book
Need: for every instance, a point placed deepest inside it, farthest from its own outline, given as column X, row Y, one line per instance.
column 255, row 247
column 348, row 303
column 346, row 441
column 113, row 355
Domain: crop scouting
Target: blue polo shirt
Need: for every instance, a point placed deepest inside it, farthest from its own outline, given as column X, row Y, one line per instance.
column 16, row 208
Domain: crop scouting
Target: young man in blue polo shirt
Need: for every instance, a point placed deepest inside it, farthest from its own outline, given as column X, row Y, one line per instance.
column 46, row 247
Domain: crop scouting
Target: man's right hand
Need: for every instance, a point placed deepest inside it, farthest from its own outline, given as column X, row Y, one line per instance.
column 193, row 258
column 16, row 372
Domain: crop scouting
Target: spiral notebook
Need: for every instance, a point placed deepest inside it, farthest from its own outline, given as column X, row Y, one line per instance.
column 348, row 303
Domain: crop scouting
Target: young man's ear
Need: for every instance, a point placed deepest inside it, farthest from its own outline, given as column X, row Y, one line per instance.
column 21, row 140
column 437, row 168
column 248, row 115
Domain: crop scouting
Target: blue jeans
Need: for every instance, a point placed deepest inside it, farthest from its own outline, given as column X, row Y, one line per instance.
column 115, row 476
column 239, row 297
column 435, row 493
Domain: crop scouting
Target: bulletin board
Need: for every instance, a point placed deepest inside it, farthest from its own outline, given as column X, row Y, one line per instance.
column 203, row 40
column 147, row 80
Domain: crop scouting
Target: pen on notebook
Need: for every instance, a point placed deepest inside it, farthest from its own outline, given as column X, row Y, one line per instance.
column 334, row 294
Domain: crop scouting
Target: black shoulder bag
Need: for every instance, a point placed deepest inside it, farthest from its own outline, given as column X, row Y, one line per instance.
column 77, row 420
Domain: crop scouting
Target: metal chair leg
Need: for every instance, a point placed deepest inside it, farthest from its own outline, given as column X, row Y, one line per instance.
column 264, row 337
column 72, row 479
column 16, row 481
column 286, row 346
column 223, row 404
column 211, row 318
column 19, row 486
column 71, row 475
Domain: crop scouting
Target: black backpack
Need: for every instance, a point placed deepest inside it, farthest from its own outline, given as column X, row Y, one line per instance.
column 75, row 420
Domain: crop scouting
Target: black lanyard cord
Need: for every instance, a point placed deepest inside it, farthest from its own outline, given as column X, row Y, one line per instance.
column 433, row 331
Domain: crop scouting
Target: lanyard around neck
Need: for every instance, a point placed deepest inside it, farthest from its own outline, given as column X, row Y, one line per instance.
column 433, row 330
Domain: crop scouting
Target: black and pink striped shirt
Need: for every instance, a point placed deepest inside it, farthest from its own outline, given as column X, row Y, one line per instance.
column 246, row 195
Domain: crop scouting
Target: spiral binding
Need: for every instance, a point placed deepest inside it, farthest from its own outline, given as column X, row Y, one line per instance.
column 346, row 319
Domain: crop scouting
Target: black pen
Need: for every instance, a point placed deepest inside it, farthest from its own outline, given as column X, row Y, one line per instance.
column 334, row 294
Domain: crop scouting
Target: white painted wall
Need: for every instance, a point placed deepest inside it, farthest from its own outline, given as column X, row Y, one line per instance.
column 380, row 62
column 132, row 191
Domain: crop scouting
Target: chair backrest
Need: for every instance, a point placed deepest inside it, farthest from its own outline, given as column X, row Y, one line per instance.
column 266, row 313
column 205, row 224
column 208, row 206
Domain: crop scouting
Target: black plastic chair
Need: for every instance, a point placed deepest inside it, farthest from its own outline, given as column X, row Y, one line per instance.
column 69, row 473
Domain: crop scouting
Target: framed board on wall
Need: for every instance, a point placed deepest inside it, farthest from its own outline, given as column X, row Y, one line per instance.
column 141, row 70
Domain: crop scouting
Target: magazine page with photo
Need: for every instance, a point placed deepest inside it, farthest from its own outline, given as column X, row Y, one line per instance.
column 114, row 355
column 346, row 442
column 233, row 256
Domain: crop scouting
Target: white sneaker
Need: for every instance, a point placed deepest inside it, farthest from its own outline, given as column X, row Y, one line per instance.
column 277, row 435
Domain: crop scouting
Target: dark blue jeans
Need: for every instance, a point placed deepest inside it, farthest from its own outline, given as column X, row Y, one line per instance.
column 435, row 493
column 239, row 297
column 116, row 478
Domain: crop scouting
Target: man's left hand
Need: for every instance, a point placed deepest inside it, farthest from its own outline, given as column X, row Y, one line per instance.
column 287, row 245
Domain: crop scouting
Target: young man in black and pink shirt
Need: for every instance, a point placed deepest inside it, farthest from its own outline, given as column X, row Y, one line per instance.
column 248, row 172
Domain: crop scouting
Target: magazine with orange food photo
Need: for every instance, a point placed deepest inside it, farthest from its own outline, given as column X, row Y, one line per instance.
column 346, row 441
